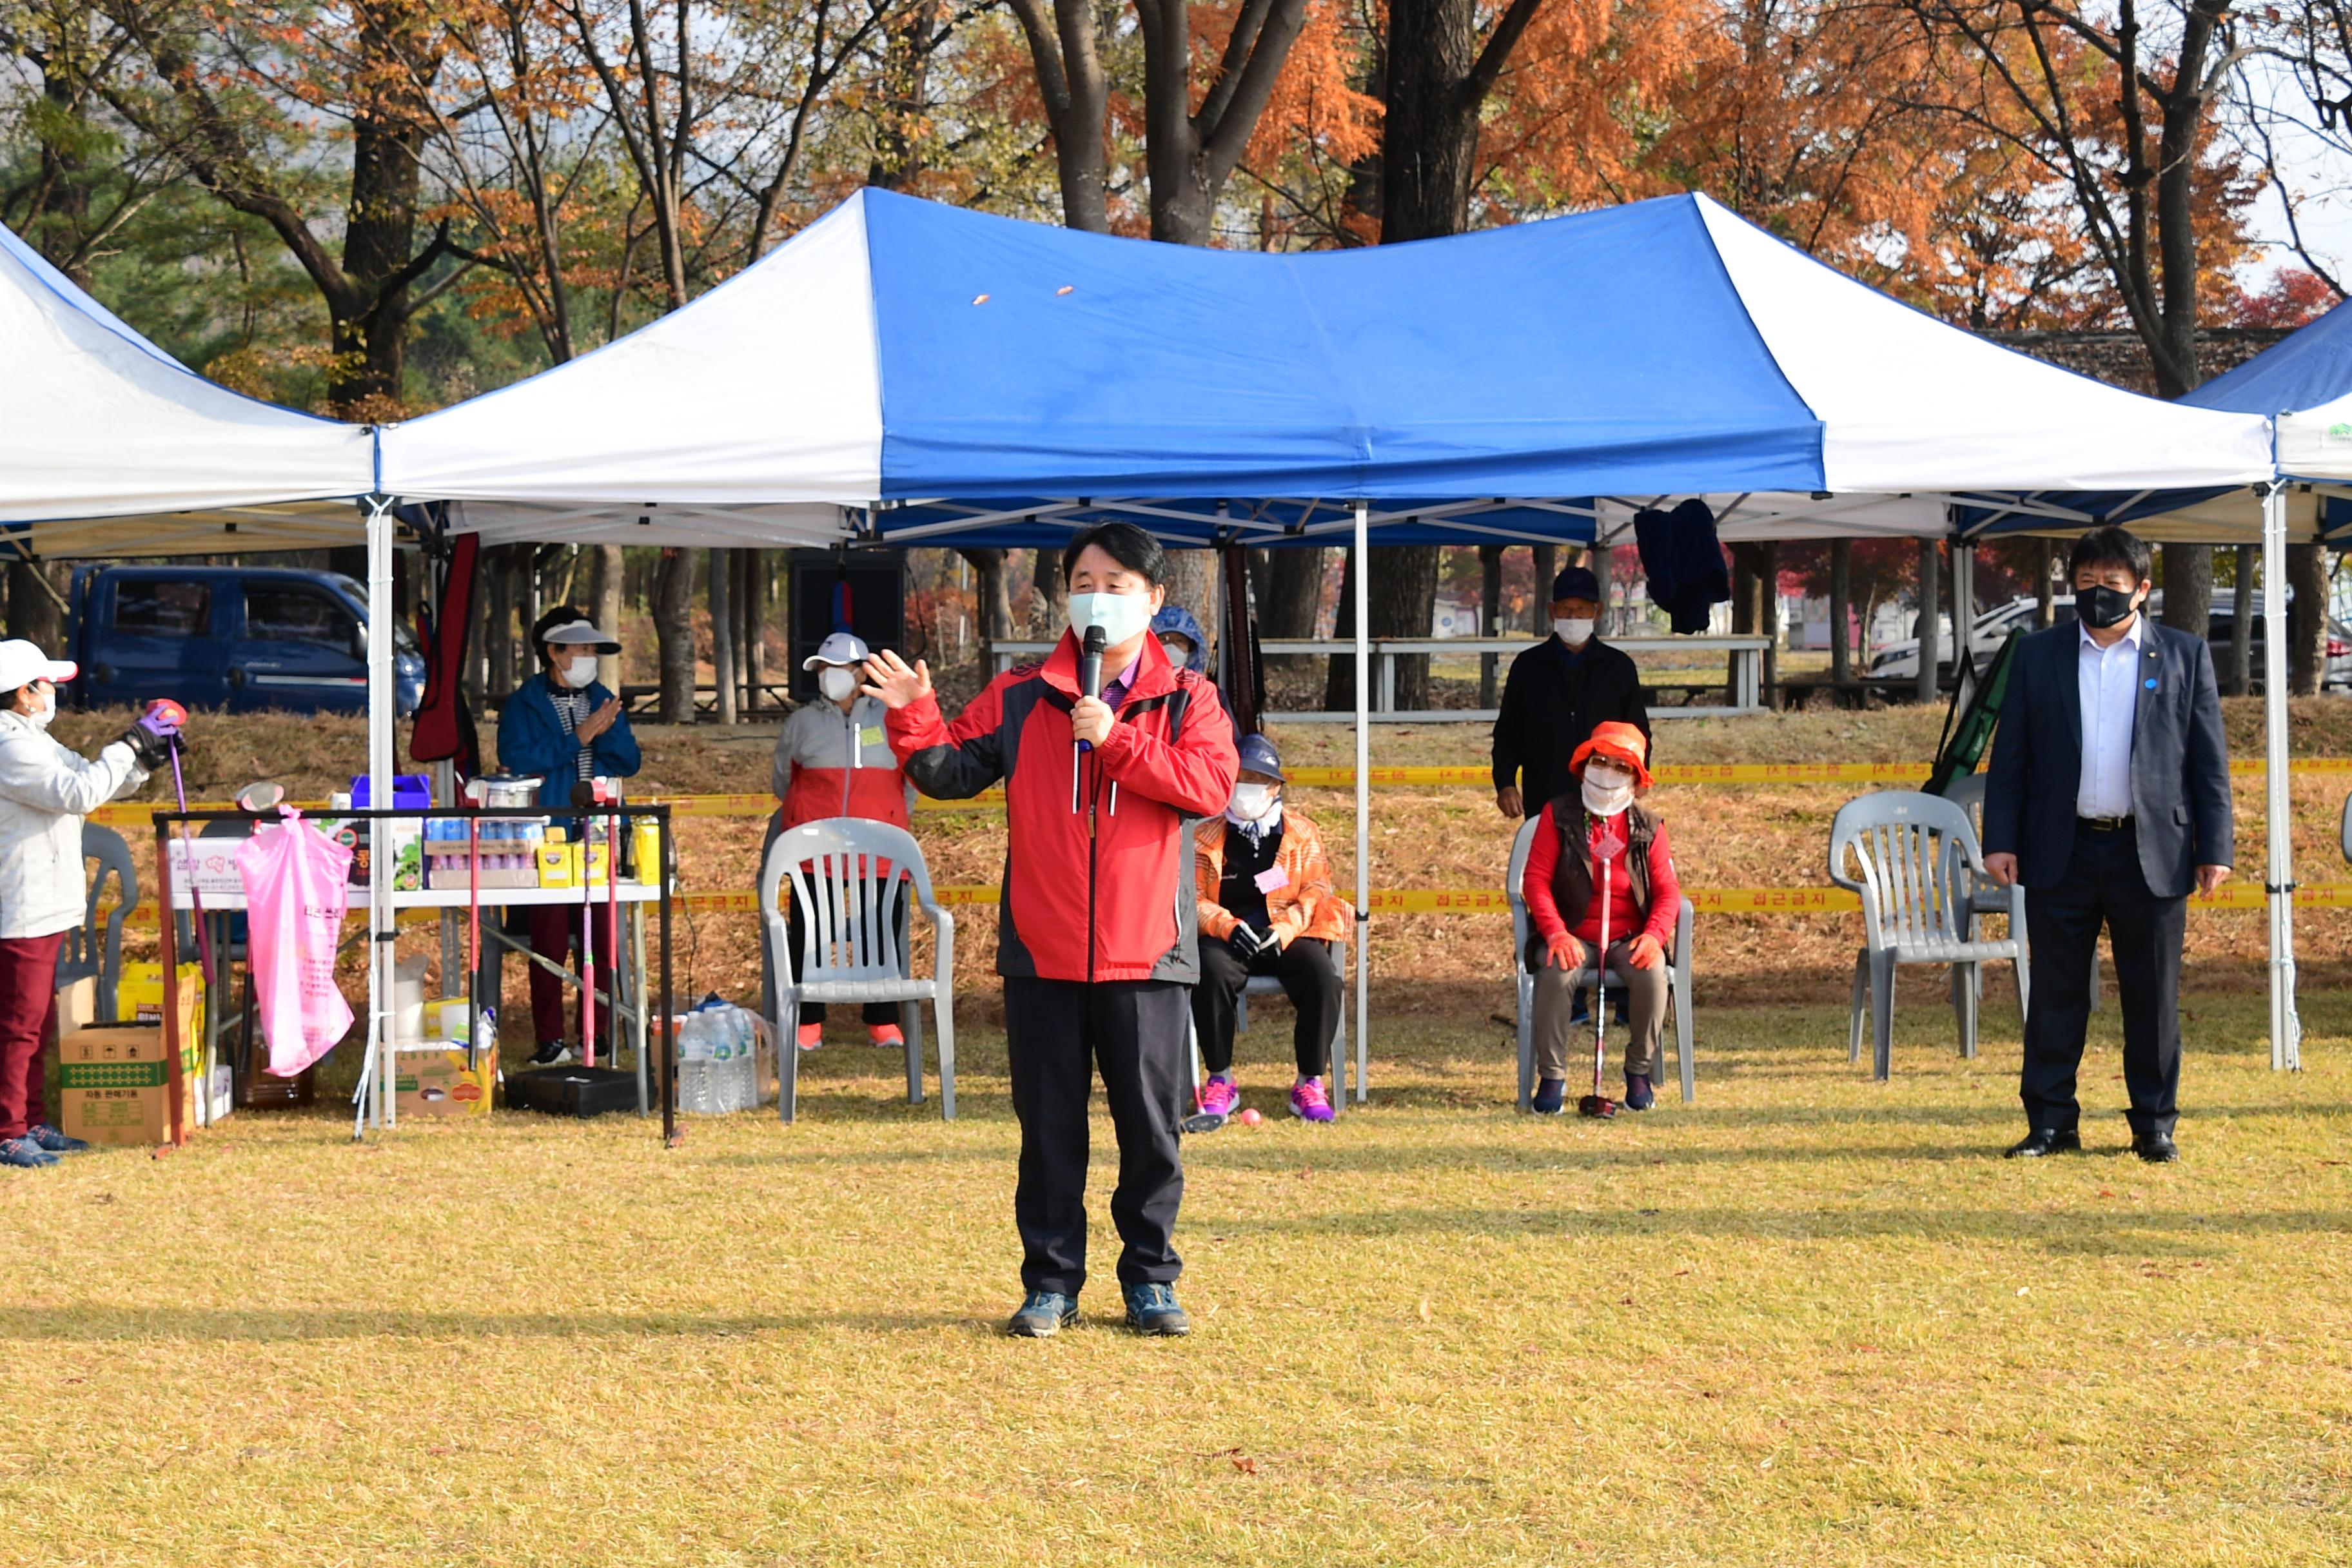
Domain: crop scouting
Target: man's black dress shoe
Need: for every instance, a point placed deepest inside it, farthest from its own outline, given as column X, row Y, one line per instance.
column 2156, row 1147
column 2037, row 1144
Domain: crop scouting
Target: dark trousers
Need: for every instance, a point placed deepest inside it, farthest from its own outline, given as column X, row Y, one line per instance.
column 1058, row 1033
column 2104, row 885
column 1308, row 978
column 554, row 930
column 29, row 1017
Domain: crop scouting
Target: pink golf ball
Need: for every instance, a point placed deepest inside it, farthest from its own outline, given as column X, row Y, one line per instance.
column 1250, row 1117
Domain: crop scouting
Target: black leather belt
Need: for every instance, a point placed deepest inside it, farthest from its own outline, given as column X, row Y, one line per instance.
column 2103, row 824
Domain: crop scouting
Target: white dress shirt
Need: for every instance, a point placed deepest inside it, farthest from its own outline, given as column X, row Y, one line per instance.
column 2108, row 683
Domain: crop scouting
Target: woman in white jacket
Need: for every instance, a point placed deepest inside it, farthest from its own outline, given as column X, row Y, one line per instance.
column 45, row 791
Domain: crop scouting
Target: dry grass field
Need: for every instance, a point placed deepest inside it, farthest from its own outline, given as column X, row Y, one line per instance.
column 1809, row 1320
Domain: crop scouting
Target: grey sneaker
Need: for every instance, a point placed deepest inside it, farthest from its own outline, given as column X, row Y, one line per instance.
column 1152, row 1310
column 1043, row 1314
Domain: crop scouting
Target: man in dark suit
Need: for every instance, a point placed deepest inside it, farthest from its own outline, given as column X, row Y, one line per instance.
column 2109, row 800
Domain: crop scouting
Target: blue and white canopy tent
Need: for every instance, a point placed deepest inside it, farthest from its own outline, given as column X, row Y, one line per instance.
column 904, row 371
column 2304, row 385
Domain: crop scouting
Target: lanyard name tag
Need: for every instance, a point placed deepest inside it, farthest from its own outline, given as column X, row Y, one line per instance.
column 1270, row 879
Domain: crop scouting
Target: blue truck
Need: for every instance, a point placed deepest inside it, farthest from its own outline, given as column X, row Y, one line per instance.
column 245, row 638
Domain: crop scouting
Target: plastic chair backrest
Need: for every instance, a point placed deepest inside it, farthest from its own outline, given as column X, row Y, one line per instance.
column 89, row 952
column 2348, row 827
column 1910, row 856
column 1520, row 842
column 849, row 876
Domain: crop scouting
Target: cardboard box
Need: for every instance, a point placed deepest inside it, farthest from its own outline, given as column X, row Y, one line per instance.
column 435, row 1083
column 139, row 994
column 76, row 1005
column 115, row 1086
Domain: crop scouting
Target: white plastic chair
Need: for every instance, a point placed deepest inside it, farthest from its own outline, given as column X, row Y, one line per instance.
column 1968, row 794
column 850, row 945
column 1914, row 860
column 1678, row 977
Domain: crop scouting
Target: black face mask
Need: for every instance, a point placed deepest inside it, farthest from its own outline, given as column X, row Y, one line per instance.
column 2100, row 607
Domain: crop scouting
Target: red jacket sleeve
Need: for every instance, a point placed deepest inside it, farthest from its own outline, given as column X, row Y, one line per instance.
column 1666, row 890
column 952, row 762
column 1194, row 774
column 1534, row 887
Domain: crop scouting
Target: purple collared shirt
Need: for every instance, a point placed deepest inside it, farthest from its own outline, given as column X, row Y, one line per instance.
column 1116, row 692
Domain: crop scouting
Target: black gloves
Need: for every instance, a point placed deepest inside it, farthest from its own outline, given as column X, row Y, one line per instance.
column 1248, row 940
column 152, row 750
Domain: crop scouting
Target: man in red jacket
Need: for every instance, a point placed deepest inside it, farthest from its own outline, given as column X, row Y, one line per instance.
column 1096, row 932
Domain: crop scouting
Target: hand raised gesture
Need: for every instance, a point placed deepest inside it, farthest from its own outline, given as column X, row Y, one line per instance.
column 890, row 682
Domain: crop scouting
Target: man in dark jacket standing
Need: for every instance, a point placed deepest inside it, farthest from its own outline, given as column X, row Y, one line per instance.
column 2109, row 800
column 1096, row 932
column 1557, row 691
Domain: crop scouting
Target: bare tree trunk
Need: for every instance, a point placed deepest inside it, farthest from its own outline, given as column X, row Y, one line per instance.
column 2307, row 619
column 1339, row 681
column 722, row 633
column 1049, row 597
column 1547, row 564
column 1840, row 614
column 1767, row 617
column 604, row 573
column 995, row 606
column 1193, row 584
column 498, row 634
column 755, row 629
column 1743, row 612
column 2189, row 587
column 1490, row 610
column 1292, row 604
column 1930, row 609
column 33, row 614
column 673, row 630
column 2045, row 593
column 1402, row 596
column 2241, row 680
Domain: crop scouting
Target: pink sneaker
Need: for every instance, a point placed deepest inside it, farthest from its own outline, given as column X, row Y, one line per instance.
column 1309, row 1103
column 811, row 1036
column 1219, row 1097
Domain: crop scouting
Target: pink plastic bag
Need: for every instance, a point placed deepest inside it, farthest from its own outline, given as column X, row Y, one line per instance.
column 296, row 881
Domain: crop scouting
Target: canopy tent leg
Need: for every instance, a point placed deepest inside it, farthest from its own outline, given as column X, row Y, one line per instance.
column 2287, row 1024
column 382, row 926
column 1363, row 804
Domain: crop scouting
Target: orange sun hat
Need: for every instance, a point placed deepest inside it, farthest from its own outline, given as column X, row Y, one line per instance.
column 1619, row 743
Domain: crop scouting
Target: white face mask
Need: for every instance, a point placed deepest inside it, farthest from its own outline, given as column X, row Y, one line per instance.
column 1607, row 791
column 580, row 672
column 836, row 682
column 1251, row 801
column 1177, row 654
column 40, row 719
column 1574, row 633
column 1121, row 616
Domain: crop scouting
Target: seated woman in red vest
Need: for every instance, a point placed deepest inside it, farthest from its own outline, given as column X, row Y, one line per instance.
column 832, row 760
column 1600, row 834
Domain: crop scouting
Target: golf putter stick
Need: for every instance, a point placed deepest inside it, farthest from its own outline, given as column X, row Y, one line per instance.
column 473, row 937
column 1598, row 1104
column 188, row 848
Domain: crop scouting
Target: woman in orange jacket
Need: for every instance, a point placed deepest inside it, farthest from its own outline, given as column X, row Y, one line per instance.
column 1266, row 908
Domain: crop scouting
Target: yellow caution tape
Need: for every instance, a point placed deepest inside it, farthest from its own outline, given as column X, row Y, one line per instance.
column 1451, row 901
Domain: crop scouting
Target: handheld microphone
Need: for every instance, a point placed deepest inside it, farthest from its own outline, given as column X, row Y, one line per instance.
column 1090, row 661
